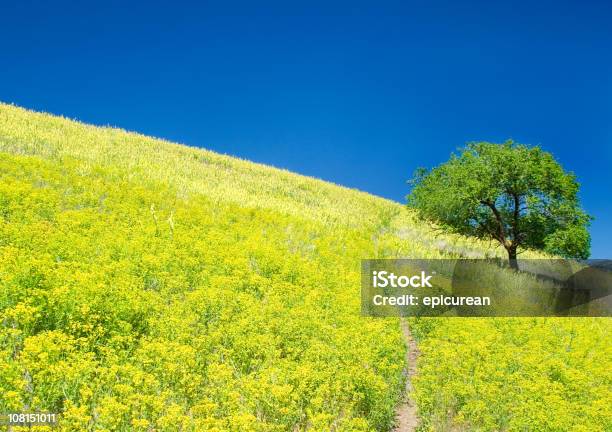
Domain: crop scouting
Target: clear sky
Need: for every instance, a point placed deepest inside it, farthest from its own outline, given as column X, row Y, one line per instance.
column 360, row 94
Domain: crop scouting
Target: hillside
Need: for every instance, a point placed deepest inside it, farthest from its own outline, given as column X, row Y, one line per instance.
column 146, row 285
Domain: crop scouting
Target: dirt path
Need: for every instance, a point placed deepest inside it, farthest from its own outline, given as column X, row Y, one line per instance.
column 406, row 412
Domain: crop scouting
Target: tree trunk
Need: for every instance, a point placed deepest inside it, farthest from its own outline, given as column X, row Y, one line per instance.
column 512, row 257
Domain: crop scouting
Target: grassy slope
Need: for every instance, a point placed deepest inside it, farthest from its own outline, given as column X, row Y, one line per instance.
column 148, row 284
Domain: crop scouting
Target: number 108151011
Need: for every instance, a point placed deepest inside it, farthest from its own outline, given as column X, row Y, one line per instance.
column 29, row 419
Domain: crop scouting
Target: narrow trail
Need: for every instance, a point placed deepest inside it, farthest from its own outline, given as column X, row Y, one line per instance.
column 406, row 412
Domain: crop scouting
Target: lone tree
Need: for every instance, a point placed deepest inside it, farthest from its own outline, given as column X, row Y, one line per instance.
column 515, row 194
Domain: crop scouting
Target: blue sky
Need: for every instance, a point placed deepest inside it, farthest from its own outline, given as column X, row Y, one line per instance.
column 360, row 94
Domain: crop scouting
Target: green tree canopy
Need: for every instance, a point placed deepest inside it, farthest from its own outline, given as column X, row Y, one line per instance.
column 512, row 193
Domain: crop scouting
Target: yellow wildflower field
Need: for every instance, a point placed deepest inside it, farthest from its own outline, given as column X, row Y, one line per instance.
column 147, row 285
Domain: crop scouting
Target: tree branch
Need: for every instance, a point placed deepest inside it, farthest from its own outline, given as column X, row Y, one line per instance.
column 491, row 232
column 501, row 231
column 515, row 216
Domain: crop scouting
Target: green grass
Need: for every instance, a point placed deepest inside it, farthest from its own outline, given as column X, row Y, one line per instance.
column 146, row 285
